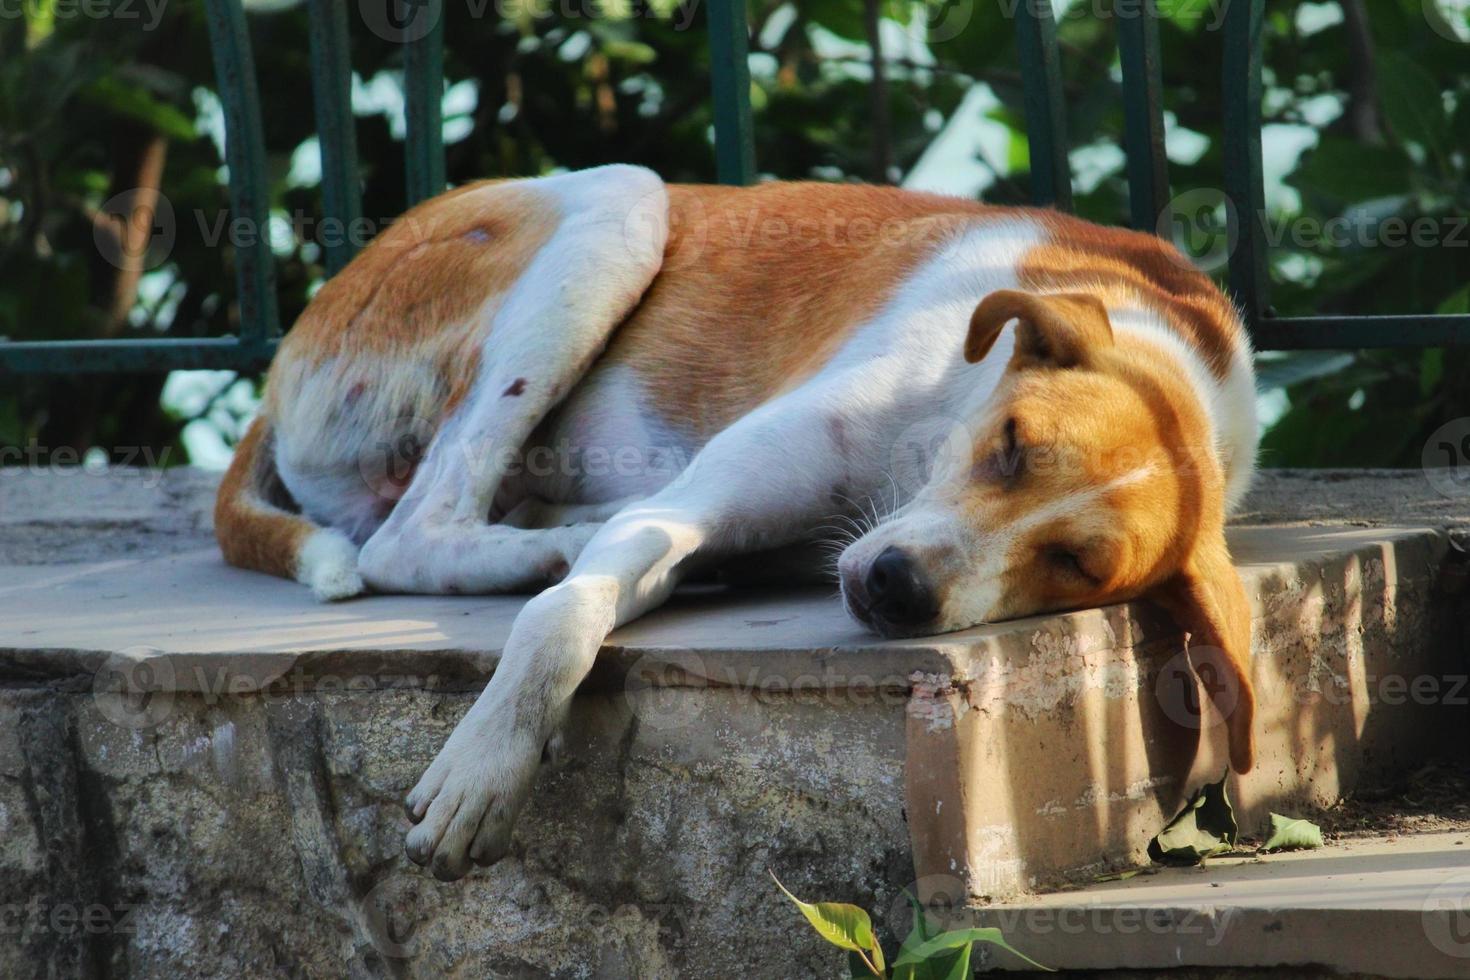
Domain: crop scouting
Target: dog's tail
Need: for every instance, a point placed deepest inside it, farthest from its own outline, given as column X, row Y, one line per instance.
column 256, row 530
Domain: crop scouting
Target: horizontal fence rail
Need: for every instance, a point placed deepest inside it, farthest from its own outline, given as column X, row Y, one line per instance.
column 420, row 29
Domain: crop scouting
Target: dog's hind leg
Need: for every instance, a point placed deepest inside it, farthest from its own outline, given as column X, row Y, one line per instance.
column 605, row 251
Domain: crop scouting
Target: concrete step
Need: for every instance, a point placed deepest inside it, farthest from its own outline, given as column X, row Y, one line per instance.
column 1397, row 907
column 727, row 735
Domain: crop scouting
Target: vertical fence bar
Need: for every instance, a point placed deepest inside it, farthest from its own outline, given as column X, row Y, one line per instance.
column 729, row 46
column 1244, row 184
column 1046, row 121
column 423, row 91
column 335, row 131
column 1143, row 114
column 336, row 135
column 255, row 271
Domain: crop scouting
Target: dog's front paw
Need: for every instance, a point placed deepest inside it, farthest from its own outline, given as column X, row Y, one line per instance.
column 467, row 801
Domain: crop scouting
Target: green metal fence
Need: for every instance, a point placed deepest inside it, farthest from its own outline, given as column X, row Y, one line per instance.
column 1035, row 26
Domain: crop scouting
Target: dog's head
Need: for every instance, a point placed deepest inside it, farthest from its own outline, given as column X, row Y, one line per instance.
column 1089, row 478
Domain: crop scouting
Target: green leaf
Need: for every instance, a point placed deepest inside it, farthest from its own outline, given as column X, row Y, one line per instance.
column 1205, row 827
column 1410, row 99
column 632, row 52
column 957, row 939
column 844, row 926
column 135, row 102
column 955, row 966
column 1351, row 171
column 1291, row 834
column 1286, row 368
column 1123, row 875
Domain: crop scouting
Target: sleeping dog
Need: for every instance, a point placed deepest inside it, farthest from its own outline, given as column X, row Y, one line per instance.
column 759, row 359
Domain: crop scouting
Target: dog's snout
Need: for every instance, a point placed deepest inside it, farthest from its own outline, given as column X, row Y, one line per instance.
column 898, row 591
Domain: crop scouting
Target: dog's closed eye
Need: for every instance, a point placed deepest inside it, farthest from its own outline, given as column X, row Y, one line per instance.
column 1068, row 562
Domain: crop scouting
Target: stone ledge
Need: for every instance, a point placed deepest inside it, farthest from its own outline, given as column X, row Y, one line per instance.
column 725, row 735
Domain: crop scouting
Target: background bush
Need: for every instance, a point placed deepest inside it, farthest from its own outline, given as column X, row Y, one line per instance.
column 1367, row 109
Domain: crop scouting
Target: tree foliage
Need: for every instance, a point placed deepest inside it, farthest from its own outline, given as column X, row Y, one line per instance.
column 1368, row 124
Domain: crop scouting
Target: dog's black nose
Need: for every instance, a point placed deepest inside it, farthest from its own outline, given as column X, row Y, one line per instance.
column 898, row 592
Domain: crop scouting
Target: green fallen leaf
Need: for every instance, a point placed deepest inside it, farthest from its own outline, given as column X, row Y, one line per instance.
column 957, row 939
column 1291, row 834
column 1119, row 875
column 950, row 966
column 844, row 926
column 1205, row 827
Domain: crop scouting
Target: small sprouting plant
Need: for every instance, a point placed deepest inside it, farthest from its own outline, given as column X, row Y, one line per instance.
column 922, row 956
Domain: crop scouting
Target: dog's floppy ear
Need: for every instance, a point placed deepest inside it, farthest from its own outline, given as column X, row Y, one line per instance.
column 1208, row 602
column 1061, row 329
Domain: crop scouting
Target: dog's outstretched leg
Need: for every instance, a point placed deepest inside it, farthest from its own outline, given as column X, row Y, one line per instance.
column 759, row 484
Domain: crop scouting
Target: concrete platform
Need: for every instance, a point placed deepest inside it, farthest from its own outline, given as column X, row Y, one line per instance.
column 246, row 814
column 1391, row 908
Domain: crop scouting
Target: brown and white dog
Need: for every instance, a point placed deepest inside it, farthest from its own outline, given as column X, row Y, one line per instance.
column 758, row 359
